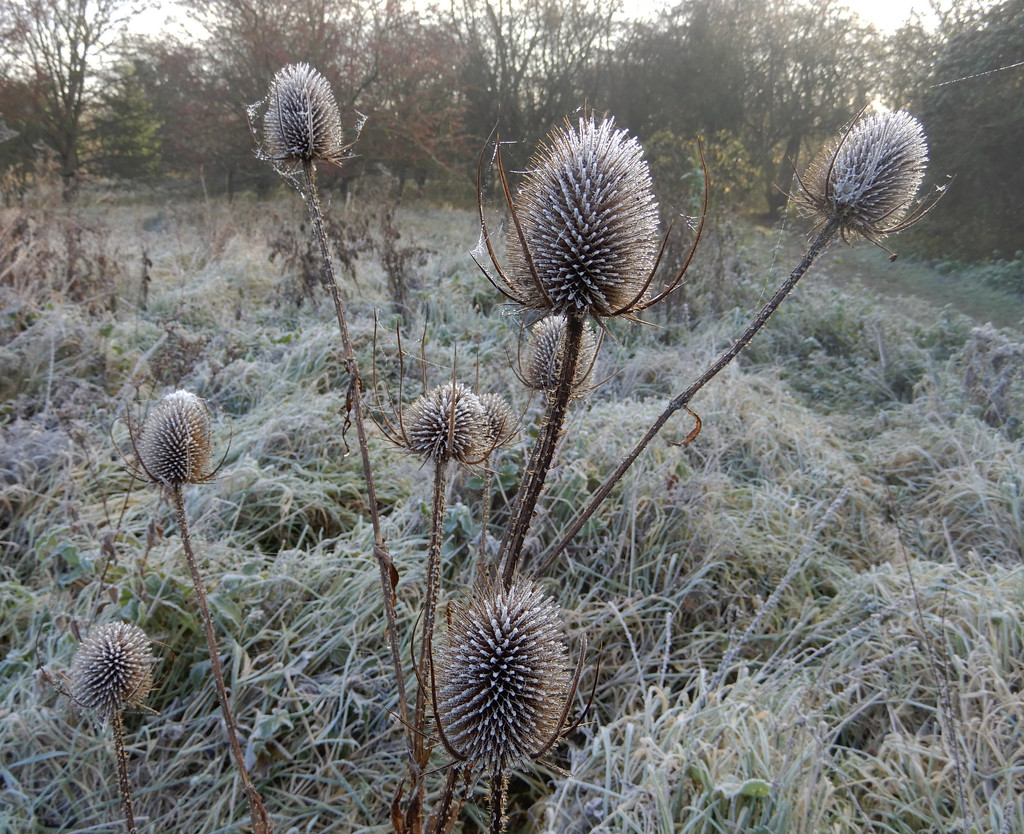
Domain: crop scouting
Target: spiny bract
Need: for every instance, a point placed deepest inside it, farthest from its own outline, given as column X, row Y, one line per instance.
column 867, row 180
column 590, row 223
column 447, row 423
column 545, row 349
column 112, row 669
column 503, row 676
column 302, row 123
column 174, row 446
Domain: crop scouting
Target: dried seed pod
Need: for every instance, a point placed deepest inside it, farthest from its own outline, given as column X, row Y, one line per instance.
column 112, row 669
column 502, row 678
column 867, row 180
column 498, row 419
column 545, row 350
column 302, row 123
column 175, row 442
column 447, row 423
column 589, row 222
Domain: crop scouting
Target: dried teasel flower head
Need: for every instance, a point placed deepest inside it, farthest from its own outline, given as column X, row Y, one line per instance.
column 498, row 419
column 867, row 179
column 112, row 669
column 174, row 444
column 544, row 354
column 447, row 423
column 502, row 685
column 586, row 236
column 302, row 123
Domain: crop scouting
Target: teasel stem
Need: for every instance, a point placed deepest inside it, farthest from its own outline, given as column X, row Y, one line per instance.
column 260, row 821
column 821, row 242
column 498, row 800
column 446, row 809
column 123, row 782
column 433, row 584
column 388, row 574
column 543, row 451
column 485, row 511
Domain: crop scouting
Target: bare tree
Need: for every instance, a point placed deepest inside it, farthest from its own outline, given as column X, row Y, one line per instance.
column 54, row 45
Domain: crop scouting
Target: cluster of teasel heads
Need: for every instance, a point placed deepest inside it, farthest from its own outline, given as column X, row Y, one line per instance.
column 583, row 248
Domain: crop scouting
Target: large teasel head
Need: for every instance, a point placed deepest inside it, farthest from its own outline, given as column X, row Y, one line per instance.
column 866, row 181
column 540, row 364
column 301, row 124
column 173, row 447
column 502, row 687
column 584, row 234
column 112, row 669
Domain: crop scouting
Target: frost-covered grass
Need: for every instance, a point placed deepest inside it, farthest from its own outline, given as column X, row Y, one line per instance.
column 879, row 691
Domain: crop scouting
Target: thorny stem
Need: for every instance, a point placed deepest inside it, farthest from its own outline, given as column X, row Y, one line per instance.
column 437, row 512
column 260, row 821
column 485, row 512
column 499, row 796
column 446, row 809
column 543, row 452
column 122, row 773
column 388, row 575
column 818, row 245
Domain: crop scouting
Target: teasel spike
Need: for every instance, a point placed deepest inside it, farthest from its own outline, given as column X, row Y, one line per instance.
column 869, row 177
column 505, row 692
column 545, row 349
column 174, row 444
column 112, row 670
column 586, row 222
column 302, row 122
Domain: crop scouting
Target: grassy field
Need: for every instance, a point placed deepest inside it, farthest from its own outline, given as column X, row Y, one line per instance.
column 809, row 620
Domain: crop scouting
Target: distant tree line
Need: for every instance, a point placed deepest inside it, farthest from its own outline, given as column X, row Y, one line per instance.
column 764, row 82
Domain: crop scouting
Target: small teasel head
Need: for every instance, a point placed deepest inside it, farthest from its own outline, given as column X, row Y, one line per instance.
column 502, row 688
column 867, row 180
column 498, row 419
column 447, row 423
column 174, row 445
column 112, row 669
column 544, row 353
column 584, row 234
column 301, row 123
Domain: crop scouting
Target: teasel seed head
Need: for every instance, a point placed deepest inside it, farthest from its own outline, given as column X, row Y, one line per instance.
column 498, row 419
column 302, row 123
column 447, row 423
column 174, row 444
column 502, row 677
column 112, row 669
column 867, row 180
column 545, row 349
column 589, row 221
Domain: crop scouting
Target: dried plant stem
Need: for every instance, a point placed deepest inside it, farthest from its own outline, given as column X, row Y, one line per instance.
column 433, row 584
column 388, row 574
column 446, row 809
column 821, row 241
column 260, row 821
column 123, row 784
column 543, row 452
column 499, row 797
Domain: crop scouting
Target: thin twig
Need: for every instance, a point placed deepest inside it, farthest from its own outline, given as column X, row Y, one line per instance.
column 354, row 404
column 820, row 243
column 260, row 821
